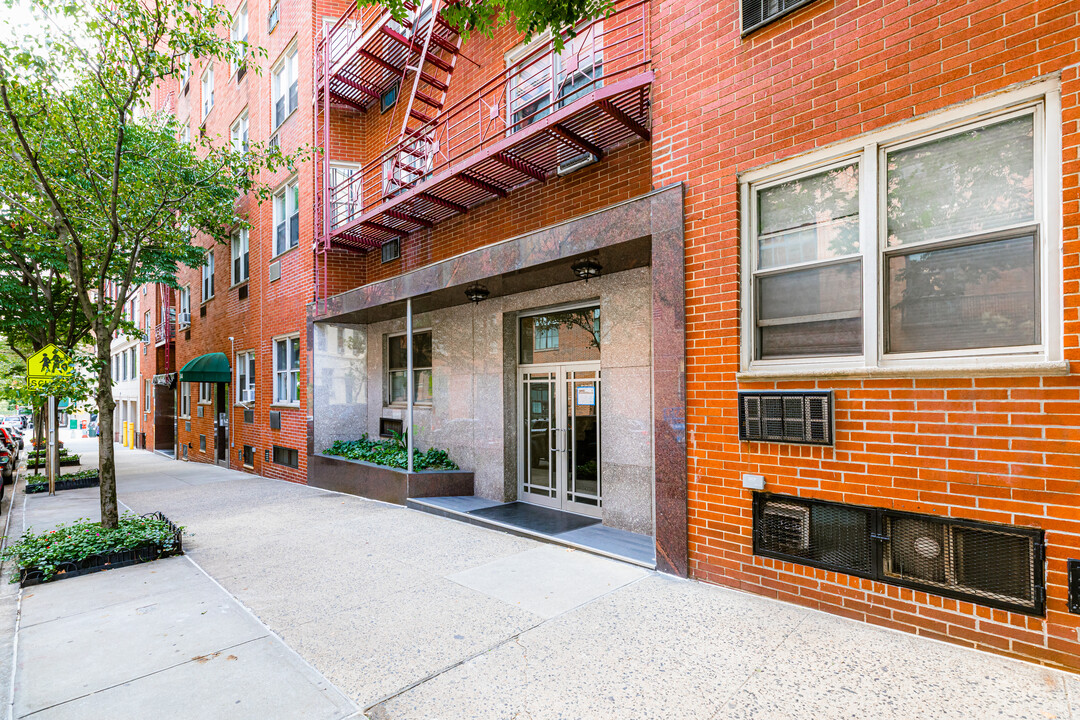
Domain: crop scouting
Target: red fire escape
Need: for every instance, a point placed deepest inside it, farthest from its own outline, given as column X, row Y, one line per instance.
column 545, row 113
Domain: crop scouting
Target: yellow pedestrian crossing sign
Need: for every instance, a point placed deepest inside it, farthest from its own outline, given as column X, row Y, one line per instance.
column 46, row 364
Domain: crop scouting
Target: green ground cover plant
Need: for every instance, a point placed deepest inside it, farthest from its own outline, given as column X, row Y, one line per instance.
column 47, row 552
column 64, row 460
column 391, row 453
column 38, row 484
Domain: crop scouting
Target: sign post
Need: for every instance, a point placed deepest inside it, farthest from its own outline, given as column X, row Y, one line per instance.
column 44, row 366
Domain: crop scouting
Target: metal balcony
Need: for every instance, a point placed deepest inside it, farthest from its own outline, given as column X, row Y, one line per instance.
column 545, row 113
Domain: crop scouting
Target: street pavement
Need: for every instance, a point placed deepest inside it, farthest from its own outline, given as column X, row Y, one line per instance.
column 294, row 602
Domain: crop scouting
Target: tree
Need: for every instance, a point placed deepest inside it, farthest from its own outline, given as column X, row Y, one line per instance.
column 532, row 17
column 104, row 180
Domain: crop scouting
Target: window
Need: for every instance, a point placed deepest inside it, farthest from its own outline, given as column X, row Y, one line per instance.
column 408, row 166
column 245, row 377
column 286, row 456
column 146, row 395
column 273, row 17
column 202, row 443
column 207, row 91
column 284, row 91
column 249, row 456
column 239, row 133
column 391, row 250
column 206, row 393
column 538, row 77
column 345, row 195
column 287, row 218
column 185, row 399
column 134, row 363
column 240, row 253
column 116, row 367
column 756, row 13
column 930, row 247
column 184, row 68
column 988, row 564
column 185, row 133
column 388, row 98
column 184, row 304
column 208, row 276
column 396, row 379
column 287, row 371
column 546, row 338
column 146, row 326
column 239, row 34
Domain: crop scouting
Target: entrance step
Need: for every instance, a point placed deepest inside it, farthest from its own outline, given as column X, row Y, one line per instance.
column 545, row 524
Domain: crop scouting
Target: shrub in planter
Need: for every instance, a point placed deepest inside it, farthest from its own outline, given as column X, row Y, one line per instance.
column 69, row 481
column 84, row 547
column 40, row 463
column 391, row 453
column 34, row 442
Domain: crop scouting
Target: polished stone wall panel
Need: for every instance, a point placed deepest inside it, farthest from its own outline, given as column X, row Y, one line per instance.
column 339, row 375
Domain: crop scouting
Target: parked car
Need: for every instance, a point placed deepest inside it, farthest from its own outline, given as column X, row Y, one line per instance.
column 11, row 444
column 16, row 432
column 7, row 467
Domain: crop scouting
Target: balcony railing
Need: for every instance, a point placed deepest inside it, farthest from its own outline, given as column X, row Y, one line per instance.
column 545, row 110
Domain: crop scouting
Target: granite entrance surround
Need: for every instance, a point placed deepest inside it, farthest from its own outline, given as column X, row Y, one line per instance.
column 645, row 231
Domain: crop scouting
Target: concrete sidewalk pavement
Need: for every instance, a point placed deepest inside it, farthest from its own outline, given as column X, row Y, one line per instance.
column 411, row 615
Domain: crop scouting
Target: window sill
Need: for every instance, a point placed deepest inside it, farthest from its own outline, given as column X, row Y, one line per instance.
column 284, row 252
column 1028, row 368
column 286, row 406
column 284, row 120
column 239, row 283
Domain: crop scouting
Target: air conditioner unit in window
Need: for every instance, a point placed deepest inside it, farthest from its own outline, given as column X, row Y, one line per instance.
column 576, row 163
column 786, row 527
column 183, row 319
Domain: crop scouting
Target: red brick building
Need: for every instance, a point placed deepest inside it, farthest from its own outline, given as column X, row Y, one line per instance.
column 157, row 371
column 831, row 251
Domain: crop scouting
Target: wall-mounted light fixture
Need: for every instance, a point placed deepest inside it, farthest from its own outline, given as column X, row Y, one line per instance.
column 587, row 269
column 477, row 292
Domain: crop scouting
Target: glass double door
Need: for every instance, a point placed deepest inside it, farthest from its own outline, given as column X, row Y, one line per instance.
column 559, row 441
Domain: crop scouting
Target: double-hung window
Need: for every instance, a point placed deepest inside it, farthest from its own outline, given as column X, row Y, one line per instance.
column 345, row 195
column 239, row 133
column 184, row 307
column 287, row 371
column 287, row 217
column 206, row 393
column 184, row 69
column 185, row 399
column 240, row 255
column 927, row 245
column 208, row 276
column 239, row 34
column 245, row 377
column 396, row 368
column 146, row 326
column 284, row 92
column 207, row 91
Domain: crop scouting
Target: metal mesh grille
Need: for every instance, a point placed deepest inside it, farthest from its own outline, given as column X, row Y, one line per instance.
column 980, row 562
column 756, row 13
column 831, row 535
column 987, row 562
column 786, row 417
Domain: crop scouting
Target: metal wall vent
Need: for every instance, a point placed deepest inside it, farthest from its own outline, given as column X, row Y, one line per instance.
column 243, row 292
column 275, row 420
column 249, row 415
column 275, row 270
column 790, row 417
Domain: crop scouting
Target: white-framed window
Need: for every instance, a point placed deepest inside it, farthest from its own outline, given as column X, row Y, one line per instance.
column 146, row 326
column 933, row 244
column 208, row 276
column 284, row 92
column 134, row 363
column 287, row 217
column 146, row 395
column 239, row 133
column 207, row 91
column 245, row 377
column 273, row 17
column 206, row 393
column 239, row 33
column 240, row 255
column 183, row 304
column 185, row 69
column 124, row 366
column 185, row 133
column 408, row 166
column 287, row 371
column 396, row 368
column 345, row 197
column 185, row 400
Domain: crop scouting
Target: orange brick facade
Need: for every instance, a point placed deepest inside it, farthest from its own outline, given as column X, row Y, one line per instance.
column 996, row 449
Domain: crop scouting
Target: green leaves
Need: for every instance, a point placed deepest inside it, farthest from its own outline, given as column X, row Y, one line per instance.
column 391, row 453
column 78, row 541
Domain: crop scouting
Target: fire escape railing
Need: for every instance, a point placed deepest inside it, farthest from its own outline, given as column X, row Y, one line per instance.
column 535, row 85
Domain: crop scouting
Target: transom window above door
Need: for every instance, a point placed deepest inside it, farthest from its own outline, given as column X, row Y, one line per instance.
column 932, row 246
column 571, row 335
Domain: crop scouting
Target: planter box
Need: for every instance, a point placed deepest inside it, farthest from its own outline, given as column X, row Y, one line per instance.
column 108, row 561
column 379, row 482
column 40, row 487
column 72, row 460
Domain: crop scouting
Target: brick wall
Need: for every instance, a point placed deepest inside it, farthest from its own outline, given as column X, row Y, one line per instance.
column 995, row 449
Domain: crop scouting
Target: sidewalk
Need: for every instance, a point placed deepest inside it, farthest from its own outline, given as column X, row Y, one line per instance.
column 410, row 615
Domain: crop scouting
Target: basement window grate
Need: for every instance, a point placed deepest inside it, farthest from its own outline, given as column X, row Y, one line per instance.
column 996, row 565
column 790, row 417
column 391, row 250
column 387, row 426
column 249, row 415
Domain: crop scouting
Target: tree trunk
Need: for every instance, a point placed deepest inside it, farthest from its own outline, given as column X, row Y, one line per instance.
column 106, row 454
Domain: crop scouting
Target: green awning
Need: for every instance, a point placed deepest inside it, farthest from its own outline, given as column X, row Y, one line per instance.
column 208, row 368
